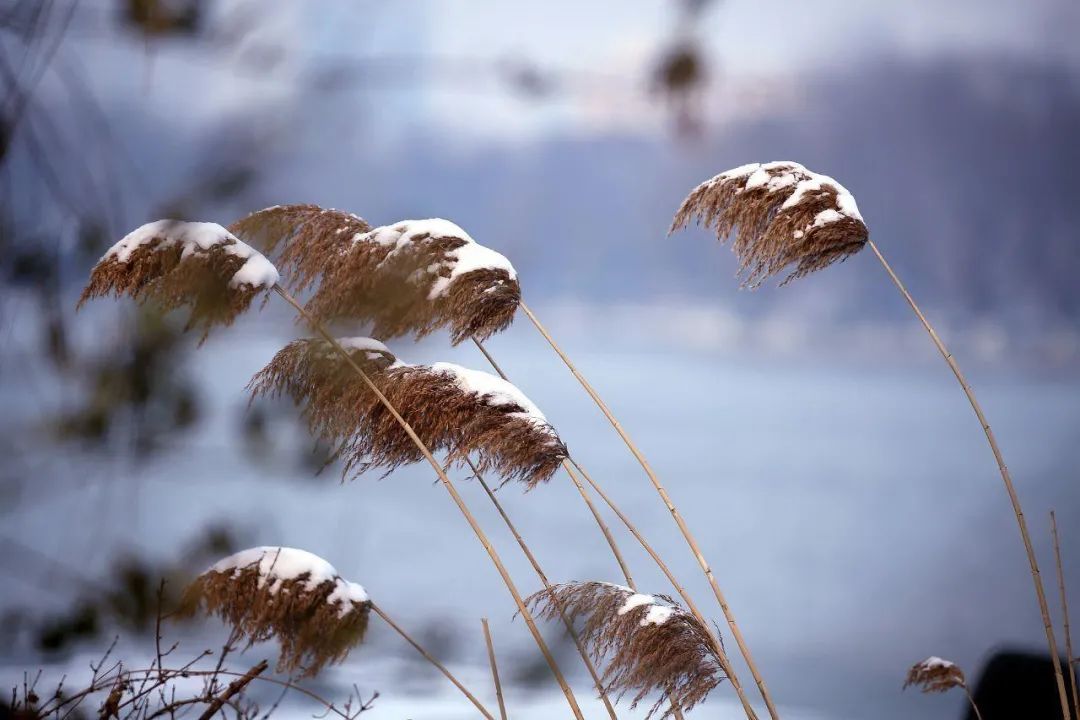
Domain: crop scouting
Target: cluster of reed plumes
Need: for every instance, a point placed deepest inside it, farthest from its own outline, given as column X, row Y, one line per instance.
column 416, row 276
column 316, row 618
column 651, row 644
column 412, row 277
column 785, row 215
column 175, row 264
column 502, row 428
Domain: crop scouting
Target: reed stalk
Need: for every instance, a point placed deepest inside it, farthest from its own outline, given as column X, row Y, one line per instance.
column 589, row 665
column 623, row 567
column 494, row 668
column 455, row 496
column 431, row 659
column 1040, row 592
column 691, row 541
column 1065, row 615
column 679, row 588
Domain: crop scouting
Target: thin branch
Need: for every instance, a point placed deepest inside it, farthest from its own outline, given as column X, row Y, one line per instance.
column 233, row 688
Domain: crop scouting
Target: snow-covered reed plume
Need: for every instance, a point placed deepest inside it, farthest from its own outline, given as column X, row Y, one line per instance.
column 651, row 644
column 414, row 276
column 184, row 264
column 935, row 675
column 303, row 240
column 782, row 214
column 289, row 595
column 451, row 408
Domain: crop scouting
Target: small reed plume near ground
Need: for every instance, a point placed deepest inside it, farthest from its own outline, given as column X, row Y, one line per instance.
column 300, row 600
column 289, row 595
column 412, row 277
column 934, row 675
column 650, row 643
column 784, row 215
column 452, row 408
column 176, row 264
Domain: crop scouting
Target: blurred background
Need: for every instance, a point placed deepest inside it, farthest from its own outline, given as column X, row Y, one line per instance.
column 812, row 437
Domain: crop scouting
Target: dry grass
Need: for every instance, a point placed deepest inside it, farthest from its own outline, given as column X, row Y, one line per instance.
column 304, row 241
column 311, row 630
column 674, row 657
column 392, row 290
column 446, row 417
column 161, row 272
column 769, row 236
column 934, row 675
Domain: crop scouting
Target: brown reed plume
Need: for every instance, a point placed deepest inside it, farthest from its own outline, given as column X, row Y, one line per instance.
column 760, row 202
column 414, row 276
column 451, row 408
column 652, row 645
column 176, row 264
column 303, row 240
column 934, row 675
column 785, row 214
column 289, row 595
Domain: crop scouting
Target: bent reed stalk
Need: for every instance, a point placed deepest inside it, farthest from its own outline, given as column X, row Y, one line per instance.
column 1014, row 499
column 569, row 464
column 623, row 567
column 589, row 665
column 670, row 505
column 431, row 659
column 455, row 496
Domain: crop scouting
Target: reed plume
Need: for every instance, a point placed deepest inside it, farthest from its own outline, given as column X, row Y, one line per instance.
column 176, row 264
column 285, row 594
column 785, row 215
column 651, row 643
column 934, row 675
column 303, row 240
column 414, row 276
column 451, row 408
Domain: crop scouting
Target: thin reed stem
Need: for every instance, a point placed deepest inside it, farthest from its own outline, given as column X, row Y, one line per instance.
column 974, row 707
column 431, row 659
column 577, row 484
column 589, row 665
column 690, row 604
column 1065, row 614
column 455, row 496
column 494, row 668
column 683, row 528
column 677, row 711
column 1036, row 578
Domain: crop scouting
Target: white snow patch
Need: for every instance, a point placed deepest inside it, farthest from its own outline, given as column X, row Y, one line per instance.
column 636, row 600
column 277, row 565
column 373, row 349
column 935, row 662
column 657, row 614
column 195, row 237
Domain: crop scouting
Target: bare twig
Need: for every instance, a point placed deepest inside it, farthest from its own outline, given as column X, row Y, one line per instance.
column 233, row 688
